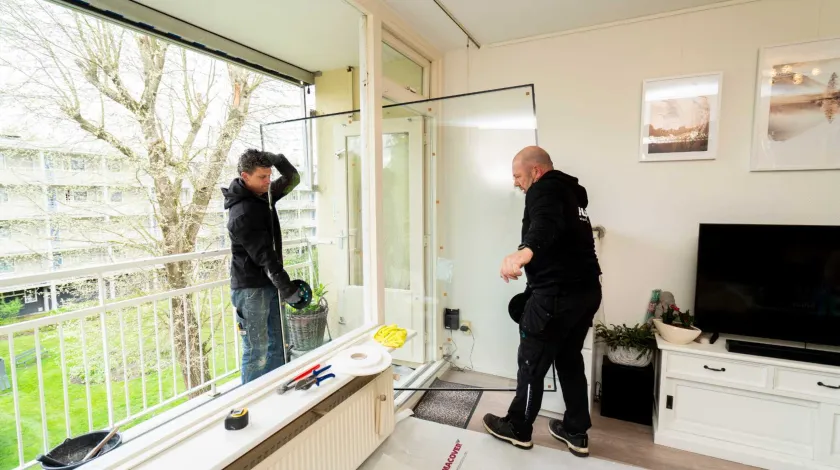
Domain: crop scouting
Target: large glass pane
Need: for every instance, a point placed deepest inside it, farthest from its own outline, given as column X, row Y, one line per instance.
column 462, row 218
column 114, row 147
column 401, row 69
column 338, row 240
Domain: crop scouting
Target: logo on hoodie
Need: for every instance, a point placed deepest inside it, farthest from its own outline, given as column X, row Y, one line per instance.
column 582, row 215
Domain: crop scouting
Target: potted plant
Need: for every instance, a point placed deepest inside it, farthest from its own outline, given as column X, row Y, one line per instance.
column 676, row 326
column 307, row 325
column 629, row 346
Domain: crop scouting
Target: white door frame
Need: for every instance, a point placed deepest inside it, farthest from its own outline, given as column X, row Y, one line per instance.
column 414, row 351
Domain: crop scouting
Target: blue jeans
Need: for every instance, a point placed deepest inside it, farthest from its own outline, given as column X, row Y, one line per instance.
column 258, row 316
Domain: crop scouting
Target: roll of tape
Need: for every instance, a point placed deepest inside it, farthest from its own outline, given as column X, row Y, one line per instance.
column 359, row 356
column 361, row 360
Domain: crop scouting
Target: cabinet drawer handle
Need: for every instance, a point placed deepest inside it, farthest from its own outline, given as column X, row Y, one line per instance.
column 722, row 369
column 833, row 387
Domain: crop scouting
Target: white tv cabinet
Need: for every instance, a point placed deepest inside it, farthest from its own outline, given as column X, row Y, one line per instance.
column 770, row 413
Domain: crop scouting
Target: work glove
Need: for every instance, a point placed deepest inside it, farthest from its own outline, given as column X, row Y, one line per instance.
column 289, row 292
column 293, row 298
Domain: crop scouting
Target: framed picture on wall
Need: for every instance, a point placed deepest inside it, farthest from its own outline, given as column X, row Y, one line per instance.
column 680, row 117
column 797, row 107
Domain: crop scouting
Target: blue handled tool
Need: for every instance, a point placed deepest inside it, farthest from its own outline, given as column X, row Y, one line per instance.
column 314, row 379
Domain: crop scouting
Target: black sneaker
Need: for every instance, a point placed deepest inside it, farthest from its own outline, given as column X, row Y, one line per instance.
column 501, row 428
column 578, row 443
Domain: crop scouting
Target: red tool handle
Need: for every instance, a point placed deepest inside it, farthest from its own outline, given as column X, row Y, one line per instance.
column 304, row 374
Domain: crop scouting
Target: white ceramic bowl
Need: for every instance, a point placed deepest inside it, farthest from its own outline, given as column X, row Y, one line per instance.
column 675, row 334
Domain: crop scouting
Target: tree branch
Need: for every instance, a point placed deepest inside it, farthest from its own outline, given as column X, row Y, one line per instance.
column 244, row 84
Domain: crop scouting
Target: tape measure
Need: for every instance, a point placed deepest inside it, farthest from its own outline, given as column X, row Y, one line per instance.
column 236, row 419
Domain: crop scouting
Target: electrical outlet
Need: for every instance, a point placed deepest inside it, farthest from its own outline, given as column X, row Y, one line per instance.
column 468, row 324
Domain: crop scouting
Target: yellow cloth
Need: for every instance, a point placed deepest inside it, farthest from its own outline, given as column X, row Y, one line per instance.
column 391, row 336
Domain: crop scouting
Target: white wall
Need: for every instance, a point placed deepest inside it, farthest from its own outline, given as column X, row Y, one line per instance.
column 588, row 91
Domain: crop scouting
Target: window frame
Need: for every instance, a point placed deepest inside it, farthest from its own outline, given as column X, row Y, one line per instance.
column 395, row 91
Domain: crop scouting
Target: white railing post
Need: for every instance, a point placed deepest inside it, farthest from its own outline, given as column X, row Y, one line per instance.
column 142, row 357
column 13, row 366
column 82, row 322
column 185, row 308
column 43, row 401
column 236, row 357
column 106, row 359
column 212, row 335
column 172, row 347
column 157, row 352
column 224, row 328
column 200, row 344
column 64, row 379
column 125, row 363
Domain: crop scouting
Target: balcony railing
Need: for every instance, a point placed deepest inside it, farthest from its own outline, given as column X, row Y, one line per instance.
column 117, row 360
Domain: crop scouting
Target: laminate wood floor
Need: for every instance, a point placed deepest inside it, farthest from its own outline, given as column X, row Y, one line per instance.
column 609, row 439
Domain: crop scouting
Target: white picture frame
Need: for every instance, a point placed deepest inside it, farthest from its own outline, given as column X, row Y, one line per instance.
column 683, row 114
column 803, row 130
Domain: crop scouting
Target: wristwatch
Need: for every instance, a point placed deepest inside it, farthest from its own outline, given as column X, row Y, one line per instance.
column 523, row 245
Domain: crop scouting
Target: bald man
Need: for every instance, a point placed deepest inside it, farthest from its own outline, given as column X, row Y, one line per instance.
column 563, row 280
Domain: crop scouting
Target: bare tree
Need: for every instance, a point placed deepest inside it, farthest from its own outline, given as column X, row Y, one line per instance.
column 168, row 112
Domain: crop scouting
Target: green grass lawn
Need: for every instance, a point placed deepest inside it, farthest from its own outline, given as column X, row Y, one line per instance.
column 80, row 420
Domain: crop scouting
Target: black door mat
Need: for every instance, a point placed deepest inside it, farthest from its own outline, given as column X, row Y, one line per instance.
column 453, row 408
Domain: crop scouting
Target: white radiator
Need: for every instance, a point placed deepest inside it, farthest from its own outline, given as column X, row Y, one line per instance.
column 342, row 437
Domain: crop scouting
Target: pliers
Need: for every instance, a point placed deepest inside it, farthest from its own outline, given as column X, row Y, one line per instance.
column 314, row 379
column 291, row 384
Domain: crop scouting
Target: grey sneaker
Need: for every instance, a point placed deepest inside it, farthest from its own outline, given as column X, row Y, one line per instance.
column 501, row 428
column 578, row 443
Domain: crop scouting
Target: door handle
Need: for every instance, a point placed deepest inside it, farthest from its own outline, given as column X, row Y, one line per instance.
column 341, row 238
column 833, row 387
column 722, row 369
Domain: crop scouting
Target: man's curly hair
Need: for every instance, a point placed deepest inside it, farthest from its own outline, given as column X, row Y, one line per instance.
column 252, row 159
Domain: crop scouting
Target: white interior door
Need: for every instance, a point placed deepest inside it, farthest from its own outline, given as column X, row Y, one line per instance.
column 402, row 235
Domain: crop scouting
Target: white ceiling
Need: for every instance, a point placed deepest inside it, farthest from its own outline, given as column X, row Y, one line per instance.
column 494, row 21
column 319, row 35
column 315, row 35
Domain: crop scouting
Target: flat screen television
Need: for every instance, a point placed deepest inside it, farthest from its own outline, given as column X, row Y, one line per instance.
column 769, row 281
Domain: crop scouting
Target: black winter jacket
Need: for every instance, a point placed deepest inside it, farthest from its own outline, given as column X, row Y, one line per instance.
column 557, row 229
column 254, row 229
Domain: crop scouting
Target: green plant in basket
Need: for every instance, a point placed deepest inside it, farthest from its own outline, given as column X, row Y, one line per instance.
column 639, row 337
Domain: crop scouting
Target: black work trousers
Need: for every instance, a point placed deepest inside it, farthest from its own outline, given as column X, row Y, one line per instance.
column 553, row 329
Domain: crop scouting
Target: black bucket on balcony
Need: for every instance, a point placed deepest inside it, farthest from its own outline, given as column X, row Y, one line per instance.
column 73, row 450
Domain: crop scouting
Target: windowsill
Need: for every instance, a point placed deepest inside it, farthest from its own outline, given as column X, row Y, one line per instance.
column 197, row 439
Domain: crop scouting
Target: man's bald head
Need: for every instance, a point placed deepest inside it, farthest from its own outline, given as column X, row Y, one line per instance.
column 529, row 165
column 534, row 156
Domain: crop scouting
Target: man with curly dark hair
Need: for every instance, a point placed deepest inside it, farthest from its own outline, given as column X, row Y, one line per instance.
column 256, row 269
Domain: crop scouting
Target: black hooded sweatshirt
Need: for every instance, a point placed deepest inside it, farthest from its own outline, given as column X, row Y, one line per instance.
column 254, row 229
column 557, row 229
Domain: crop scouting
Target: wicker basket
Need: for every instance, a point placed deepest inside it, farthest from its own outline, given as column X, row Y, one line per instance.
column 306, row 330
column 629, row 357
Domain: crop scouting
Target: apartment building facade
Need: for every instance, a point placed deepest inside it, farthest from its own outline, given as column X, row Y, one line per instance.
column 63, row 209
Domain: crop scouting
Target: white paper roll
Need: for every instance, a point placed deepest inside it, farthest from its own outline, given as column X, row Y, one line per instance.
column 361, row 360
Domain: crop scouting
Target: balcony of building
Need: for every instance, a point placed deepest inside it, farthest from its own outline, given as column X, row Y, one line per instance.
column 121, row 350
